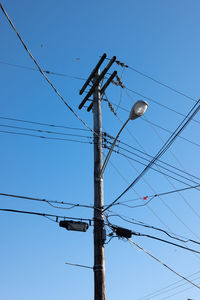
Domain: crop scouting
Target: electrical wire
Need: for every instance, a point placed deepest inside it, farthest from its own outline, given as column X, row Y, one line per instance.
column 44, row 137
column 150, row 156
column 40, row 70
column 156, row 164
column 164, row 148
column 160, row 127
column 167, row 206
column 171, row 183
column 164, row 241
column 171, row 210
column 50, row 202
column 77, row 265
column 44, row 71
column 163, row 264
column 156, row 102
column 162, row 84
column 149, row 208
column 142, row 224
column 43, row 124
column 41, row 214
column 168, row 289
column 46, row 131
column 160, row 194
column 152, row 211
column 130, row 158
column 178, row 293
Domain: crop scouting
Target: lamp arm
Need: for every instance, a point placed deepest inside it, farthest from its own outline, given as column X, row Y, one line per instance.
column 111, row 149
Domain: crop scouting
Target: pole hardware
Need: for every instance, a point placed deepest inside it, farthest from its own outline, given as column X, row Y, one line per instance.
column 97, row 80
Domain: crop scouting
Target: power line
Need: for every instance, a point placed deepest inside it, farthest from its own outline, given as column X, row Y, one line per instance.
column 149, row 208
column 40, row 70
column 156, row 164
column 44, row 137
column 83, row 136
column 187, row 203
column 161, row 161
column 162, row 84
column 142, row 224
column 166, row 266
column 160, row 194
column 160, row 127
column 168, row 175
column 114, row 228
column 157, row 216
column 77, row 265
column 171, row 183
column 47, row 201
column 44, row 71
column 43, row 124
column 166, row 289
column 123, row 65
column 158, row 103
column 164, row 148
column 165, row 241
column 41, row 214
column 45, row 131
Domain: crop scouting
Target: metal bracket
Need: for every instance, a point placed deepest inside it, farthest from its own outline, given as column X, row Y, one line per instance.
column 97, row 268
column 99, row 179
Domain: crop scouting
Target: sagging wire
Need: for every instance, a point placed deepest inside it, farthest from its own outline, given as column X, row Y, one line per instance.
column 139, row 223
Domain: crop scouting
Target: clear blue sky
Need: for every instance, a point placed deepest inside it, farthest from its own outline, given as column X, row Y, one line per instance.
column 159, row 38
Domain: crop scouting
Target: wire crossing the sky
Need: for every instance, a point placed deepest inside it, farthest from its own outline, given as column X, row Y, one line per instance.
column 163, row 149
column 166, row 266
column 40, row 70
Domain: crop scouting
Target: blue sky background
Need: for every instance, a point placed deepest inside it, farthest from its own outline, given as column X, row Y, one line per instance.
column 159, row 38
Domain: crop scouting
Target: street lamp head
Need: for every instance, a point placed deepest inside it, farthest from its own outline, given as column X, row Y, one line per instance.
column 138, row 109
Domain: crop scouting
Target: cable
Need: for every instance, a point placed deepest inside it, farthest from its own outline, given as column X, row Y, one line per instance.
column 169, row 131
column 178, row 293
column 172, row 184
column 44, row 137
column 165, row 241
column 44, row 71
column 130, row 158
column 156, row 102
column 43, row 124
column 193, row 210
column 162, row 84
column 160, row 194
column 48, row 201
column 149, row 208
column 40, row 70
column 161, row 161
column 160, row 127
column 164, row 148
column 155, row 80
column 152, row 211
column 139, row 223
column 156, row 164
column 42, row 214
column 166, row 289
column 138, row 246
column 76, row 265
column 45, row 131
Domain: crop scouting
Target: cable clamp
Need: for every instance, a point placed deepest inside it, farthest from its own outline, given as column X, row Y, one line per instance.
column 97, row 268
column 99, row 179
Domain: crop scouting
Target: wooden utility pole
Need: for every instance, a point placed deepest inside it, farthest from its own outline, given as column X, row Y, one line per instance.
column 99, row 230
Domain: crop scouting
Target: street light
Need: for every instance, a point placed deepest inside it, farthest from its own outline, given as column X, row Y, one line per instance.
column 138, row 109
